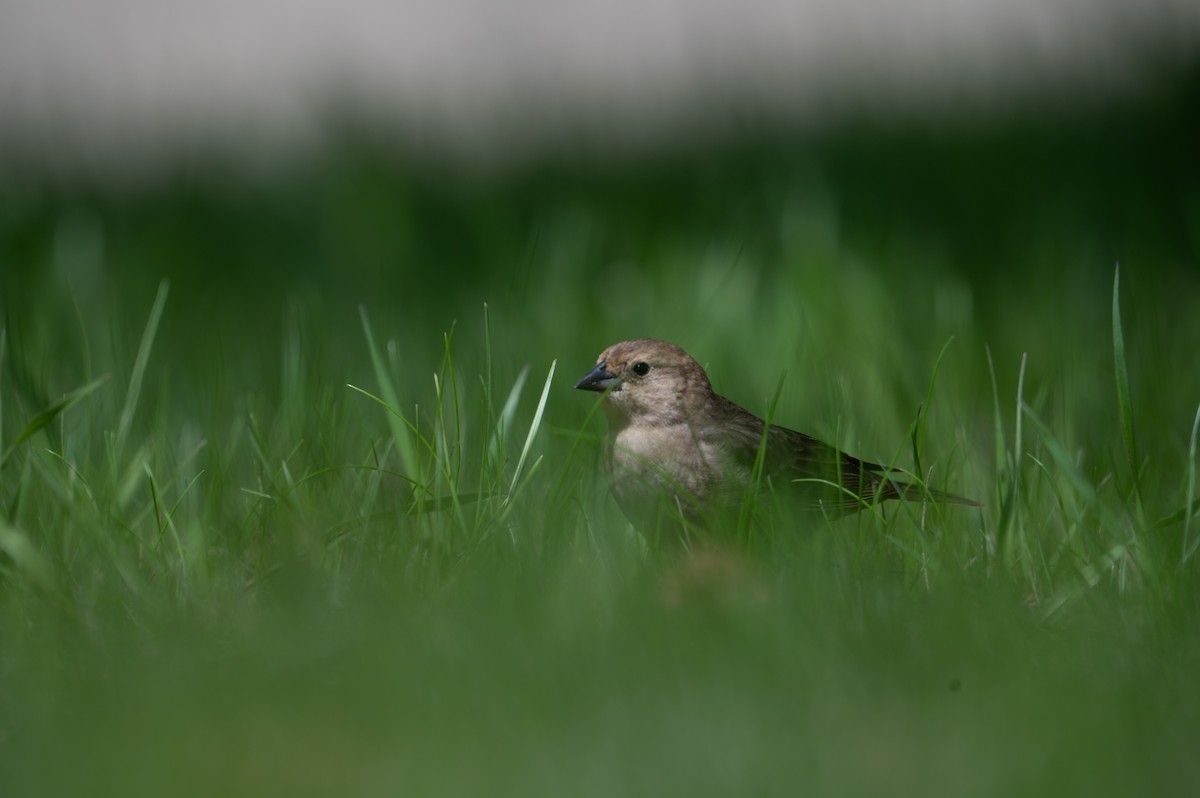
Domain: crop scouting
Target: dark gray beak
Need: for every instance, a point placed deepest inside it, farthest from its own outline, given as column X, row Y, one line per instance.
column 598, row 379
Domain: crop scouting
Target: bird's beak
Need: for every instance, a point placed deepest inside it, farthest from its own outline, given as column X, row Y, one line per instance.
column 598, row 379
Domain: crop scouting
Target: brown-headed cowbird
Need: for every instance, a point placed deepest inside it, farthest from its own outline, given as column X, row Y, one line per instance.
column 677, row 445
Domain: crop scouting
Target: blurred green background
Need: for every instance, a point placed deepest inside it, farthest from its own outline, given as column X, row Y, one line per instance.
column 218, row 577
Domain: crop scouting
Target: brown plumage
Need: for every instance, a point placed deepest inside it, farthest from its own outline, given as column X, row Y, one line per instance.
column 674, row 443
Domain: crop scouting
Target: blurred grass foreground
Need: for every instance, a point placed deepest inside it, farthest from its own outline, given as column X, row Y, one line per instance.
column 296, row 498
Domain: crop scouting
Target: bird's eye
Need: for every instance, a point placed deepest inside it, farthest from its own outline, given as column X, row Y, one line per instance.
column 641, row 369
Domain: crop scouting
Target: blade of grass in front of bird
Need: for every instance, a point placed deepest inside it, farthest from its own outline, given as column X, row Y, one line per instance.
column 750, row 500
column 855, row 499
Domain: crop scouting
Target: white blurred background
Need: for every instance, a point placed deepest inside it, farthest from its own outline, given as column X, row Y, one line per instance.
column 137, row 81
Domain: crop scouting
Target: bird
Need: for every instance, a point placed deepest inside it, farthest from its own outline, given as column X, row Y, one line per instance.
column 677, row 447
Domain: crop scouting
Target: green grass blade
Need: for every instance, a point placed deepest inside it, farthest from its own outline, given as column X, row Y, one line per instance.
column 1183, row 515
column 1003, row 495
column 997, row 418
column 1190, row 505
column 48, row 415
column 1012, row 525
column 533, row 429
column 504, row 423
column 918, row 431
column 749, row 501
column 1065, row 464
column 1017, row 448
column 456, row 405
column 487, row 358
column 3, row 350
column 139, row 370
column 1124, row 405
column 396, row 419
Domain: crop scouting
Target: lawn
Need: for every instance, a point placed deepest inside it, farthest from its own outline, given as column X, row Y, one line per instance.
column 296, row 497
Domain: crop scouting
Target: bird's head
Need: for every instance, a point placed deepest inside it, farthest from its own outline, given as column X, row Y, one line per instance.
column 650, row 381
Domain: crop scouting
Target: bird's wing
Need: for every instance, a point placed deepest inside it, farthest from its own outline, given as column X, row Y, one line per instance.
column 855, row 482
column 835, row 479
column 824, row 475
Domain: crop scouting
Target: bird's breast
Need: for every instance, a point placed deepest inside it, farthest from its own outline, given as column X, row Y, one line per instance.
column 673, row 459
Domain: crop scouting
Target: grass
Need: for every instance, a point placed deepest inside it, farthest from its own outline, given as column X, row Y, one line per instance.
column 276, row 535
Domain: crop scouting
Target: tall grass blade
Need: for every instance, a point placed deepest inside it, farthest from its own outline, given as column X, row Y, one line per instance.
column 396, row 420
column 756, row 474
column 139, row 370
column 3, row 350
column 533, row 429
column 1003, row 493
column 507, row 413
column 163, row 519
column 1124, row 405
column 1066, row 465
column 1013, row 525
column 997, row 419
column 451, row 376
column 1017, row 435
column 918, row 431
column 487, row 360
